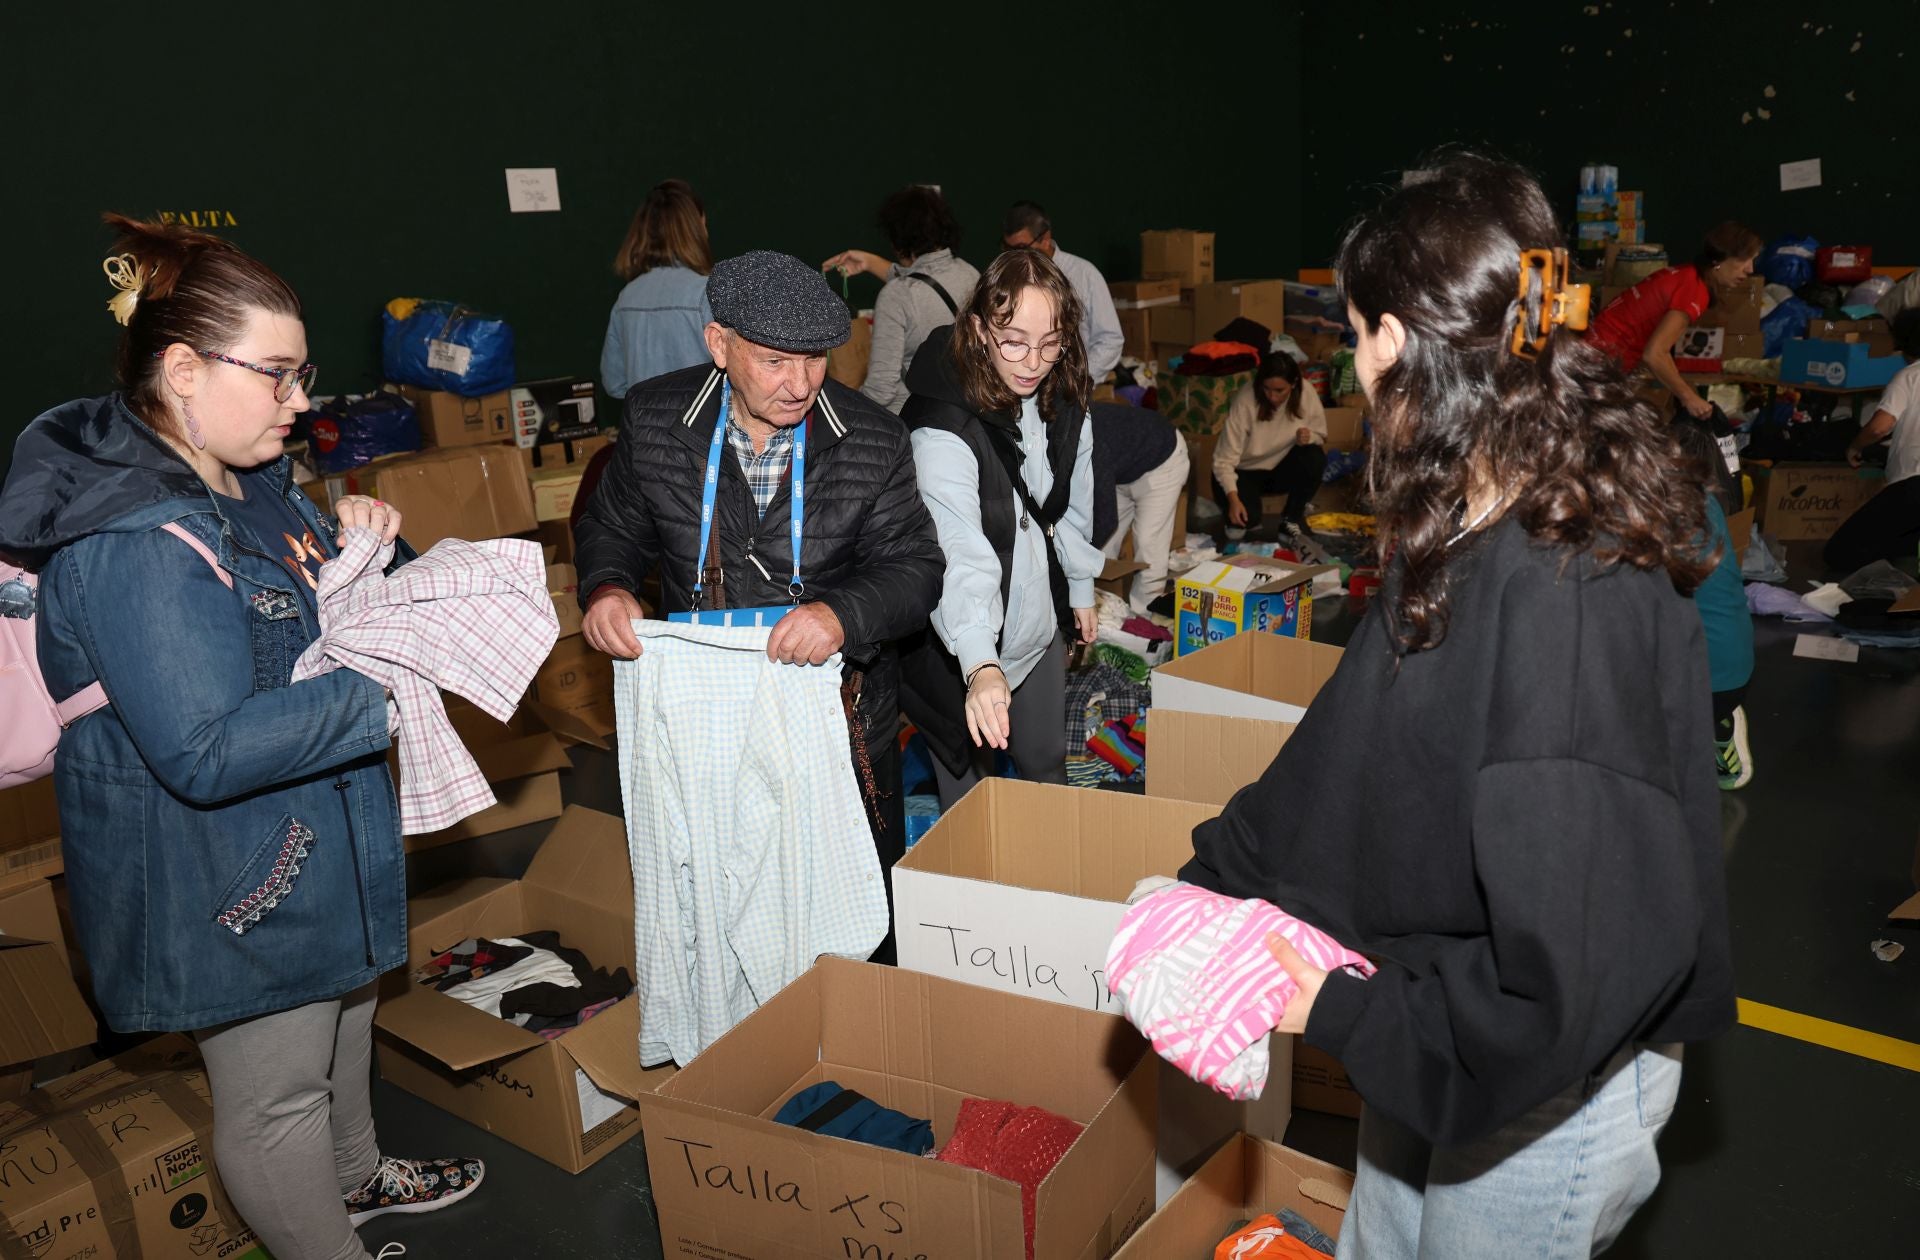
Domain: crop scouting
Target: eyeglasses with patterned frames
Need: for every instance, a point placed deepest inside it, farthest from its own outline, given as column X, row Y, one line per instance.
column 1018, row 351
column 285, row 380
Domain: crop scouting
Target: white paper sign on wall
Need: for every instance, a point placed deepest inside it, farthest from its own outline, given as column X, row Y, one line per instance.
column 531, row 189
column 1799, row 174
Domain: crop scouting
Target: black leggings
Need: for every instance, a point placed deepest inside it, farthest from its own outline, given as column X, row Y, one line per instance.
column 1297, row 476
column 1886, row 527
column 1724, row 703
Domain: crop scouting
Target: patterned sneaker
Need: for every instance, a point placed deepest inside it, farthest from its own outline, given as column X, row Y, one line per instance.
column 414, row 1185
column 1732, row 758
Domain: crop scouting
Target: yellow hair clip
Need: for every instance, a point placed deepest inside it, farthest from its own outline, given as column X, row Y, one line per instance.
column 1562, row 304
column 125, row 273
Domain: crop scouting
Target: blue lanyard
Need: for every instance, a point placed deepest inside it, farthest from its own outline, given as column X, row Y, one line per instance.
column 796, row 530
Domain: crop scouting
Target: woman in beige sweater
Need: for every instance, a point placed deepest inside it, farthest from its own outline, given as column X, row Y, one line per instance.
column 1273, row 442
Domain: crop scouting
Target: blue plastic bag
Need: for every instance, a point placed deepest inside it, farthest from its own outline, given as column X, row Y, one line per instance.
column 350, row 430
column 1789, row 261
column 1785, row 322
column 443, row 345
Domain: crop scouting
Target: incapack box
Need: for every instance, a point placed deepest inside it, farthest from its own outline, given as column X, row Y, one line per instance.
column 568, row 1100
column 117, row 1160
column 1221, row 715
column 1807, row 502
column 521, row 760
column 471, row 492
column 730, row 1182
column 1216, row 601
column 984, row 900
column 41, row 1010
column 1245, row 1179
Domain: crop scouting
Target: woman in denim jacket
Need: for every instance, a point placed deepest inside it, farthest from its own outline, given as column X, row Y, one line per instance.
column 232, row 841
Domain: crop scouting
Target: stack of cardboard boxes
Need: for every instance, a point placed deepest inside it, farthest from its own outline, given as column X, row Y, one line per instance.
column 1730, row 329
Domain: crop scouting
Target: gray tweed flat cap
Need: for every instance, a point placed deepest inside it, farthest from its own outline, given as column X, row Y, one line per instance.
column 778, row 301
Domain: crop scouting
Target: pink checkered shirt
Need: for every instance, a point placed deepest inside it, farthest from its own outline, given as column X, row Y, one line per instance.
column 472, row 618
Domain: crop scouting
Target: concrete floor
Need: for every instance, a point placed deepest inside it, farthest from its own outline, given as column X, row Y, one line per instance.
column 1778, row 1147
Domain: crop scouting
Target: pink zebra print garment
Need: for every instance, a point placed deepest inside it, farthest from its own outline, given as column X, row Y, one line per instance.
column 1197, row 978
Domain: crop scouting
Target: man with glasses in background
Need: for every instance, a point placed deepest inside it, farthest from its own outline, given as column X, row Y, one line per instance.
column 1026, row 226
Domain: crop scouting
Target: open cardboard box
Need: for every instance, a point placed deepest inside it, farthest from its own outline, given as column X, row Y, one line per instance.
column 729, row 1181
column 117, row 1160
column 1217, row 600
column 1020, row 887
column 521, row 760
column 566, row 1100
column 41, row 1010
column 1221, row 715
column 1246, row 1178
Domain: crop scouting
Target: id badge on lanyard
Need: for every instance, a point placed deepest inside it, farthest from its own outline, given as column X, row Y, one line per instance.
column 797, row 587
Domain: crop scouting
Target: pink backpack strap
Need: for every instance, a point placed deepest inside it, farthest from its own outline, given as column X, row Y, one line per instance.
column 206, row 552
column 89, row 699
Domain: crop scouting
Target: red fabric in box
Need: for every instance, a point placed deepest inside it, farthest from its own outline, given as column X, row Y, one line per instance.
column 1018, row 1144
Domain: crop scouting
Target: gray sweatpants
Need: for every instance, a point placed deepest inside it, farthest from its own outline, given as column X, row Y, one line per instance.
column 293, row 1121
column 1037, row 741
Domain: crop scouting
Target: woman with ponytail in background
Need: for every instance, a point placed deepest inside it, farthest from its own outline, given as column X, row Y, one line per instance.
column 231, row 838
column 1502, row 795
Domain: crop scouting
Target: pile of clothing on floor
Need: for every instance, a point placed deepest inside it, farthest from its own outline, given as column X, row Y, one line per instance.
column 1856, row 608
column 531, row 980
column 1003, row 1139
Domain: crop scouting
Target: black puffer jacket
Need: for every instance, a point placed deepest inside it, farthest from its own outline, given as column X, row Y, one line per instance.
column 870, row 551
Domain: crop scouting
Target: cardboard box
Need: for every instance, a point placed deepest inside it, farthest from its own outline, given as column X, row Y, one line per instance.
column 563, row 584
column 977, row 900
column 553, row 410
column 1837, row 365
column 565, row 1100
column 29, row 815
column 1699, row 349
column 1742, row 345
column 1179, row 253
column 116, row 1160
column 1217, row 305
column 1116, row 576
column 1246, row 1178
column 554, row 491
column 448, row 419
column 472, row 492
column 1807, row 502
column 1197, row 404
column 1875, row 334
column 1173, row 325
column 1320, row 1083
column 848, row 363
column 1144, row 293
column 1346, row 428
column 521, row 760
column 41, row 1009
column 576, row 676
column 1136, row 327
column 1266, row 678
column 21, row 867
column 729, row 1182
column 1218, row 600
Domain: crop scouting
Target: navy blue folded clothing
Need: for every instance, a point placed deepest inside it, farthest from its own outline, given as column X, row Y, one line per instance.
column 844, row 1113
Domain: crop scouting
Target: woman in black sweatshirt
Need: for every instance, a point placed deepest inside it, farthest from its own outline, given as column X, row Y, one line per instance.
column 1503, row 795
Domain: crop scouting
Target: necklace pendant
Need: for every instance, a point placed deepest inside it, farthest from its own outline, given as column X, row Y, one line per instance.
column 1024, row 522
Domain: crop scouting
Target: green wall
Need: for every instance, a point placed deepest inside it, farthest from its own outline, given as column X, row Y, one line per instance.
column 1676, row 105
column 361, row 149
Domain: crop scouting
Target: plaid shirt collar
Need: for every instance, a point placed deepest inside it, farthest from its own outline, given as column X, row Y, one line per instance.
column 764, row 470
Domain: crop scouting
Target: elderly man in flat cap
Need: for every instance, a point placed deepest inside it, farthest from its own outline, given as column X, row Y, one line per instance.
column 870, row 563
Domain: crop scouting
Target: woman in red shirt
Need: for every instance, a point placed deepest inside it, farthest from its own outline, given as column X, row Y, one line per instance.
column 1641, row 326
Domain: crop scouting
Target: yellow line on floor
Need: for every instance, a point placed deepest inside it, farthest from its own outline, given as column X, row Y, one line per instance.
column 1822, row 1032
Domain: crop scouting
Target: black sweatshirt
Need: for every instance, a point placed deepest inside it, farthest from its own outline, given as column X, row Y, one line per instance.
column 1520, row 826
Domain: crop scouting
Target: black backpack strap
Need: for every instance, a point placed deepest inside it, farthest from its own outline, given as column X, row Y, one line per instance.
column 953, row 307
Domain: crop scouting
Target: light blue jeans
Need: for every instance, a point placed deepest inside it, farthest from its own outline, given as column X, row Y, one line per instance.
column 1559, row 1183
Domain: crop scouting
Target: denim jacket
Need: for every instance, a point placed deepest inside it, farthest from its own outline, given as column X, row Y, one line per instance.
column 232, row 841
